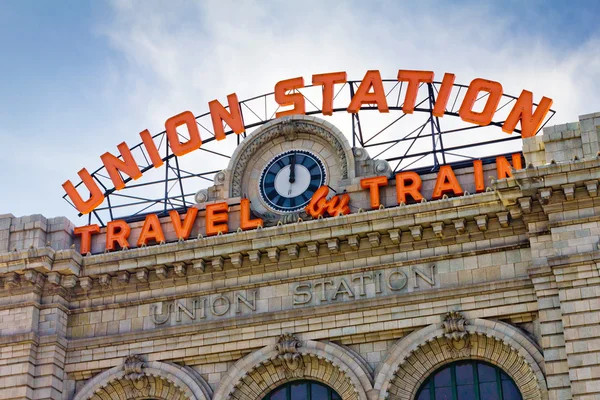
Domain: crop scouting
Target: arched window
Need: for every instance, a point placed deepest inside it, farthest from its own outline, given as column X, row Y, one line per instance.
column 303, row 390
column 469, row 380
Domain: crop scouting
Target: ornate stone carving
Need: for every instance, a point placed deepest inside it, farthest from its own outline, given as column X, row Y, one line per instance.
column 454, row 326
column 201, row 196
column 382, row 167
column 360, row 154
column 456, row 333
column 11, row 281
column 219, row 178
column 134, row 371
column 288, row 354
column 105, row 281
column 288, row 128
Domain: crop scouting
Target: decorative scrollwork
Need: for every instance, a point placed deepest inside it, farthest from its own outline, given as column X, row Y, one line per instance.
column 201, row 196
column 454, row 326
column 134, row 371
column 456, row 333
column 288, row 354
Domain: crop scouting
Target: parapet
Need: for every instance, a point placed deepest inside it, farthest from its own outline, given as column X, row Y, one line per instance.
column 34, row 231
column 565, row 142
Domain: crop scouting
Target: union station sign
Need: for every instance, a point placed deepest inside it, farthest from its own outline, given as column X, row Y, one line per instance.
column 297, row 180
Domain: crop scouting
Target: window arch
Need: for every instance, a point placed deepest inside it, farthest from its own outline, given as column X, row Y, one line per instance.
column 303, row 390
column 469, row 380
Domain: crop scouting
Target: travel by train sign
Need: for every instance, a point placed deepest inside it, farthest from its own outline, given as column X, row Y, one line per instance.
column 368, row 93
column 479, row 106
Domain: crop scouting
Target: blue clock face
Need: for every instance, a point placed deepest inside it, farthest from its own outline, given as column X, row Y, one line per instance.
column 290, row 179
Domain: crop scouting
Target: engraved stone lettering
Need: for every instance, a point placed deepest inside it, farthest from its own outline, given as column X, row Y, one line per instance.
column 396, row 280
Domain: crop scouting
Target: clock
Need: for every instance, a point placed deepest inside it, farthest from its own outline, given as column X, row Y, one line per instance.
column 289, row 180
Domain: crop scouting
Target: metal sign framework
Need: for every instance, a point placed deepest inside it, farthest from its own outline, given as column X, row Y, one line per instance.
column 418, row 141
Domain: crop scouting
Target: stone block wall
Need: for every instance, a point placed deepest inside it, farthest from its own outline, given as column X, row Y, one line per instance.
column 513, row 272
column 34, row 231
column 563, row 143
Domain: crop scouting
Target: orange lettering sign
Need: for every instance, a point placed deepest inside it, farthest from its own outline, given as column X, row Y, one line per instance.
column 408, row 184
column 446, row 182
column 373, row 185
column 444, row 94
column 319, row 205
column 194, row 142
column 96, row 195
column 183, row 231
column 414, row 79
column 219, row 114
column 503, row 167
column 113, row 166
column 478, row 176
column 521, row 112
column 364, row 95
column 216, row 218
column 283, row 98
column 245, row 221
column 370, row 91
column 484, row 117
column 328, row 80
column 86, row 236
column 151, row 231
column 117, row 232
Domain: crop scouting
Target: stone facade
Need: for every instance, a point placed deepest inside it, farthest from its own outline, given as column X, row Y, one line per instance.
column 369, row 303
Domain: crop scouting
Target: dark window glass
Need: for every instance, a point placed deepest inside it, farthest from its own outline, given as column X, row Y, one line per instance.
column 303, row 390
column 510, row 391
column 318, row 392
column 489, row 391
column 280, row 394
column 470, row 380
column 443, row 378
column 299, row 391
column 486, row 373
column 424, row 395
column 466, row 392
column 464, row 374
column 444, row 393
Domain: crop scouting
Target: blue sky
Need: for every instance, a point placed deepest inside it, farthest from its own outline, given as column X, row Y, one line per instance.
column 79, row 77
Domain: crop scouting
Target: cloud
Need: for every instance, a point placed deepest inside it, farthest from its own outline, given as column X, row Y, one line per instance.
column 184, row 56
column 176, row 56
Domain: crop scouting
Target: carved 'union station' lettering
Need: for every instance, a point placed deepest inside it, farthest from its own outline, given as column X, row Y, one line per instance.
column 197, row 309
column 366, row 284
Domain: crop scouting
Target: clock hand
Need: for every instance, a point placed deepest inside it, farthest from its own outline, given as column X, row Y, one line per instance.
column 292, row 168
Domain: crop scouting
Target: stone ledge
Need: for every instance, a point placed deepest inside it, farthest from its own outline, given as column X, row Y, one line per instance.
column 19, row 338
column 254, row 285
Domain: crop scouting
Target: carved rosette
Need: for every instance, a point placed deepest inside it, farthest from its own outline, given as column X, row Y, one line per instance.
column 288, row 354
column 134, row 372
column 455, row 332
